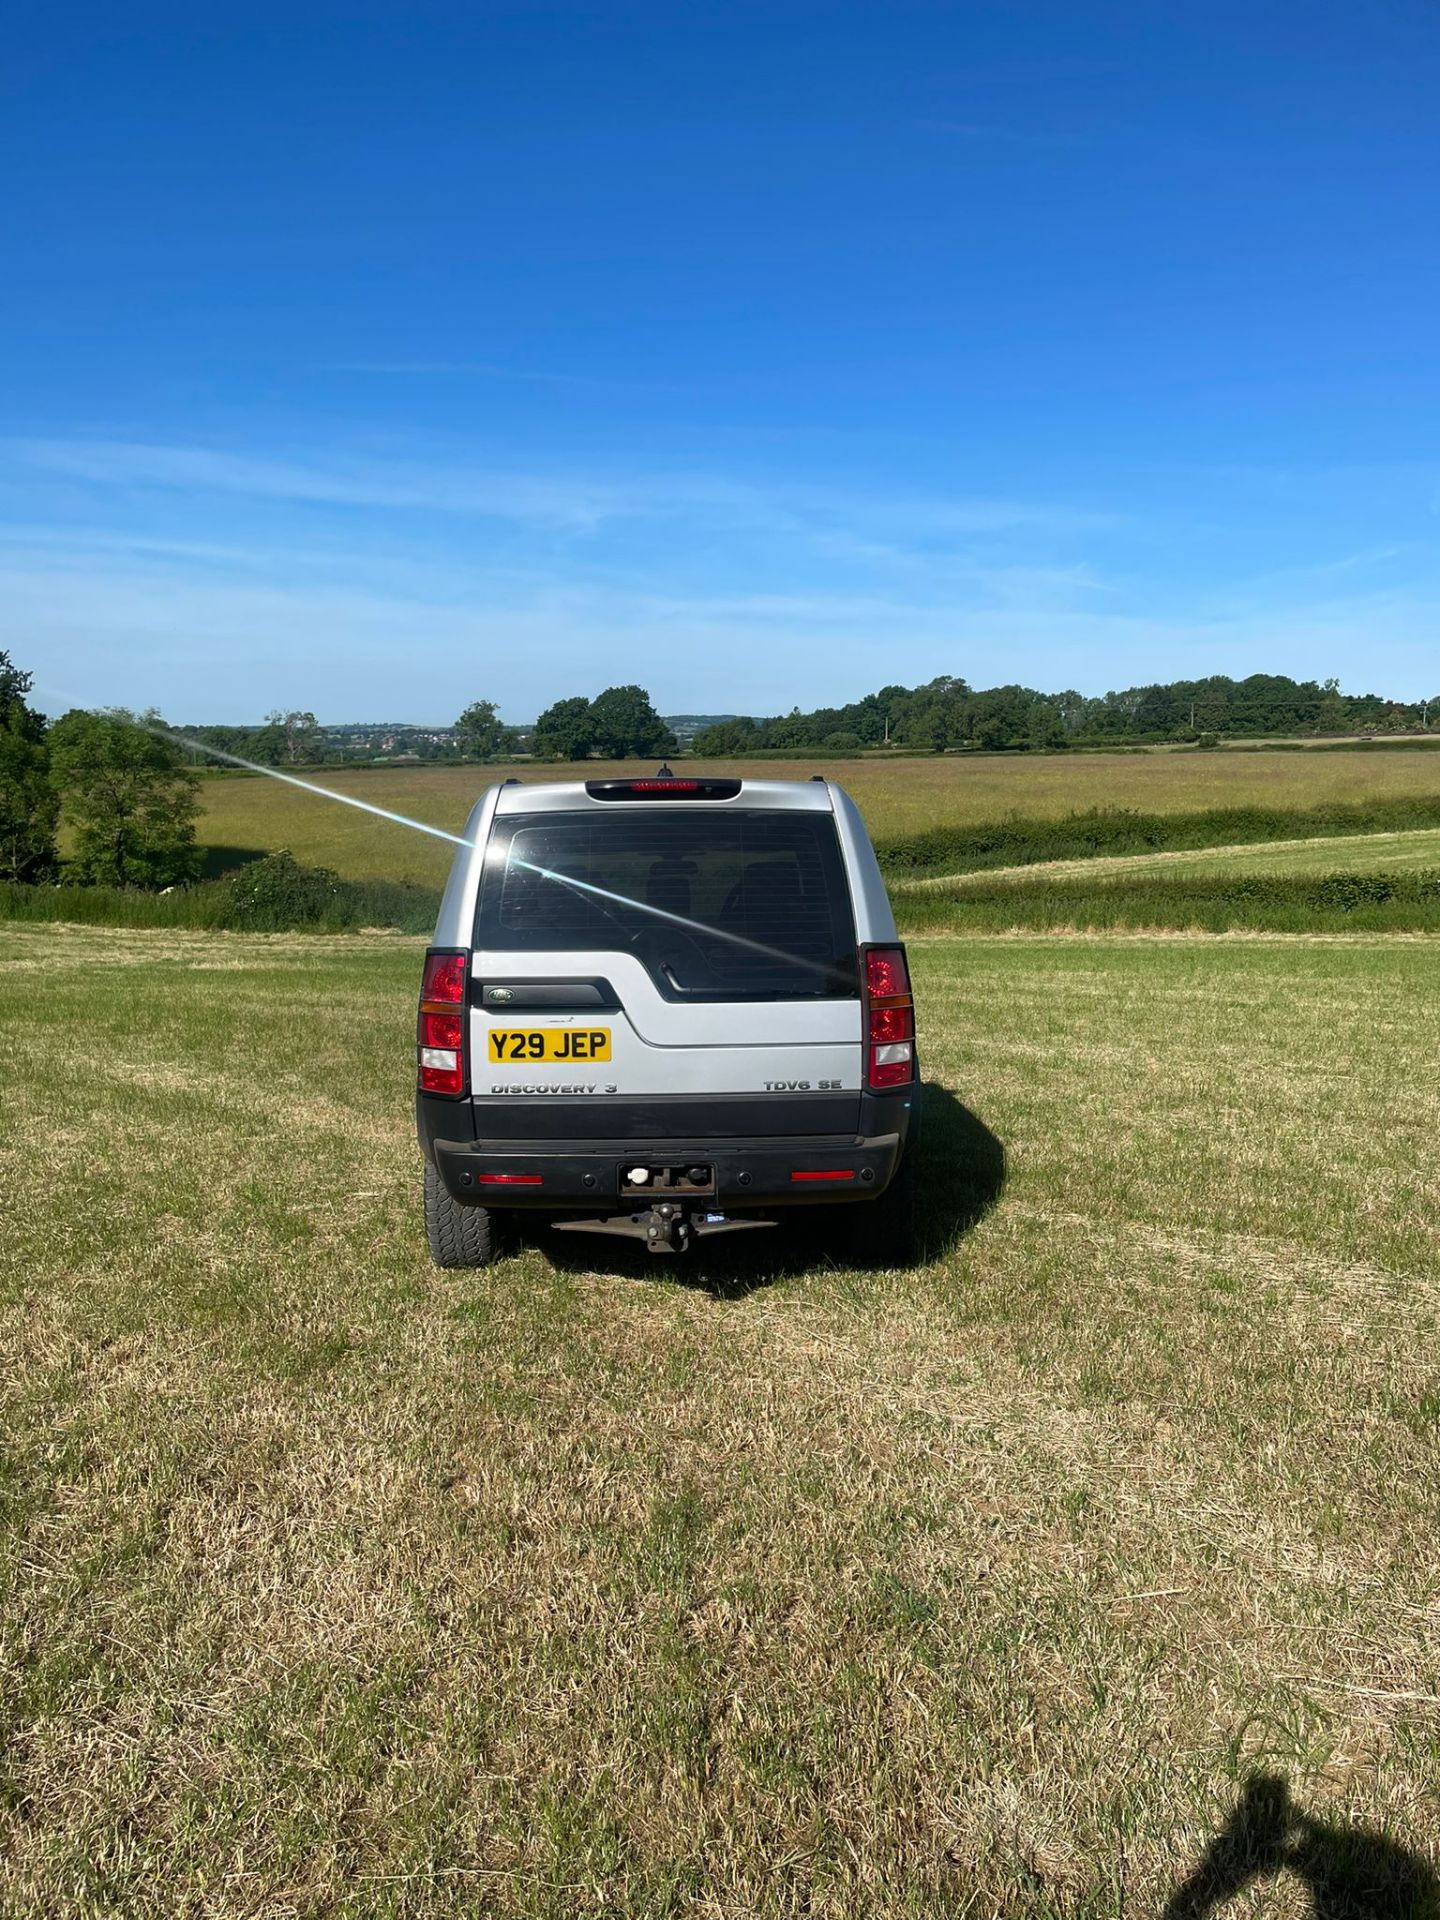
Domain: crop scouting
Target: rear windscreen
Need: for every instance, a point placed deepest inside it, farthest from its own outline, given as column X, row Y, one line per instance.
column 716, row 906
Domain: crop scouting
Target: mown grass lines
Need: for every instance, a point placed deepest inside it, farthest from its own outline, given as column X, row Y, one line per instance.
column 332, row 1584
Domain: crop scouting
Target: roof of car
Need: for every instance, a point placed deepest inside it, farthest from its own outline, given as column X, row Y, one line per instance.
column 795, row 796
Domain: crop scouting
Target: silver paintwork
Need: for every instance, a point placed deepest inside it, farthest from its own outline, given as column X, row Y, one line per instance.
column 874, row 919
column 455, row 925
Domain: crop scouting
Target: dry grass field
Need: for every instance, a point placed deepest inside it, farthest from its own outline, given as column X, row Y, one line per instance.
column 896, row 796
column 333, row 1585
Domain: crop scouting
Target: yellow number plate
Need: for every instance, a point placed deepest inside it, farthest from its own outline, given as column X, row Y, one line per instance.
column 564, row 1045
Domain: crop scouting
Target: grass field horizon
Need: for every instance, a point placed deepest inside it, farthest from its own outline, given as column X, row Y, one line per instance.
column 330, row 1584
column 248, row 813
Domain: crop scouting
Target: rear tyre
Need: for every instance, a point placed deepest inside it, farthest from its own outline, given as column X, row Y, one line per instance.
column 459, row 1236
column 885, row 1229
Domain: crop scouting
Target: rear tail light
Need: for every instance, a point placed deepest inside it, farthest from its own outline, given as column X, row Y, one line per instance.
column 440, row 1030
column 443, row 981
column 889, row 1019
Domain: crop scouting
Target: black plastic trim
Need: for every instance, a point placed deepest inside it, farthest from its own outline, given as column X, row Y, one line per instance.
column 663, row 1116
column 749, row 1175
column 544, row 993
column 720, row 1119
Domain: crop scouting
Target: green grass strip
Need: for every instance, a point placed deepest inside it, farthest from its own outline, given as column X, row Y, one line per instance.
column 1020, row 841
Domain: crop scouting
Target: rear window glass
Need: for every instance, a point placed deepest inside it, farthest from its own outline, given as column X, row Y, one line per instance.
column 715, row 905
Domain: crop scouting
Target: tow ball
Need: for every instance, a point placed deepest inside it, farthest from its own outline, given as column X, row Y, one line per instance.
column 667, row 1228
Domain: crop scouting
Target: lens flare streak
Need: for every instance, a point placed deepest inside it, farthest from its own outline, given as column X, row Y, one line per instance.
column 698, row 927
column 677, row 919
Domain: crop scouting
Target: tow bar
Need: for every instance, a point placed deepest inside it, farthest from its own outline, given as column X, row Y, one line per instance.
column 667, row 1227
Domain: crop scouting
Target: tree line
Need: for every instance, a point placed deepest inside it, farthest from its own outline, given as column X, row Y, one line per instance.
column 948, row 713
column 127, row 790
column 121, row 786
column 620, row 723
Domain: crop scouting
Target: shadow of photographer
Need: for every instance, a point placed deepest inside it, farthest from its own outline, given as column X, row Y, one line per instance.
column 1352, row 1873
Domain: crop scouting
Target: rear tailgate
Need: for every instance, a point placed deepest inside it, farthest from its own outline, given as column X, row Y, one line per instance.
column 664, row 956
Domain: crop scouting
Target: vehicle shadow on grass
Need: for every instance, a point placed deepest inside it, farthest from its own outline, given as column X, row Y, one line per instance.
column 962, row 1172
column 1351, row 1873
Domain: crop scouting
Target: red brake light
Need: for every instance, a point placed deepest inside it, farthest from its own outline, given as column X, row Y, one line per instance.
column 671, row 789
column 886, row 974
column 823, row 1173
column 440, row 1029
column 889, row 1020
column 891, row 1023
column 444, row 978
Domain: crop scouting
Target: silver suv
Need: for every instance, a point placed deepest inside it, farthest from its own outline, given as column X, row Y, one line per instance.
column 668, row 1009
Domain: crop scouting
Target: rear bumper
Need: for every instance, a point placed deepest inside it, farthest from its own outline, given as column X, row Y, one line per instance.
column 749, row 1175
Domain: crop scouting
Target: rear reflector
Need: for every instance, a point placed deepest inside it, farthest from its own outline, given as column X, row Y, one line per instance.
column 510, row 1179
column 823, row 1173
column 894, row 1073
column 662, row 789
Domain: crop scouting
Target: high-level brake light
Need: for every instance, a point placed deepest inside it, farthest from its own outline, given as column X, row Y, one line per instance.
column 889, row 1020
column 668, row 788
column 440, row 1031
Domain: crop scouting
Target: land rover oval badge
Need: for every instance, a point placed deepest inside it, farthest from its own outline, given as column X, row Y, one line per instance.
column 502, row 996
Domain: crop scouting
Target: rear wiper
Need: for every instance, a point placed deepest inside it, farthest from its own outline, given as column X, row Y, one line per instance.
column 677, row 983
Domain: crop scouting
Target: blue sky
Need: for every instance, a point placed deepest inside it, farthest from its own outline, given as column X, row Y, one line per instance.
column 373, row 359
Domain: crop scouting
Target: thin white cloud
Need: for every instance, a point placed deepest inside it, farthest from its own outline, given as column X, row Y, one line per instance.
column 566, row 502
column 132, row 464
column 98, row 629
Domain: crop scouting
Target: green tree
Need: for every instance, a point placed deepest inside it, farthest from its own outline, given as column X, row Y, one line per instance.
column 129, row 799
column 29, row 806
column 727, row 737
column 291, row 739
column 1046, row 727
column 1332, row 714
column 627, row 727
column 565, row 731
column 481, row 734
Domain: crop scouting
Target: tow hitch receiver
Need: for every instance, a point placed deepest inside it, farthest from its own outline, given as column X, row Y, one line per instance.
column 665, row 1228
